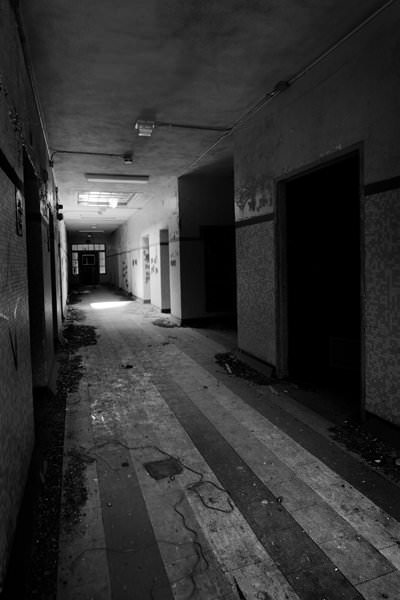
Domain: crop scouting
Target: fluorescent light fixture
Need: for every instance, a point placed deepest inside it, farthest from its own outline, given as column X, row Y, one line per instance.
column 106, row 199
column 144, row 128
column 104, row 178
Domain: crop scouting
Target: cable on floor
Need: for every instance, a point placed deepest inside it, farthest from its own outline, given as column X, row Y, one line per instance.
column 194, row 487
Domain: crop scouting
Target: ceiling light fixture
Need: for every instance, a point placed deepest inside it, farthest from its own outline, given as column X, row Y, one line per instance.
column 104, row 178
column 191, row 126
column 127, row 157
column 106, row 199
column 145, row 128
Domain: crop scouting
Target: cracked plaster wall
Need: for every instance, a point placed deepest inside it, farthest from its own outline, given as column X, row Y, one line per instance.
column 382, row 304
column 255, row 294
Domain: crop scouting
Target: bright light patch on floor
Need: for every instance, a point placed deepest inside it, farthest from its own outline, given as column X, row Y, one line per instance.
column 114, row 304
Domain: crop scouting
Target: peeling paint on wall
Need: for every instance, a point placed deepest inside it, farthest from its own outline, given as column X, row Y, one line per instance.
column 255, row 196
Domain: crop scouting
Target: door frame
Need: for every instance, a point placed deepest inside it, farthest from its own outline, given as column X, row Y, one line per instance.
column 281, row 289
column 83, row 253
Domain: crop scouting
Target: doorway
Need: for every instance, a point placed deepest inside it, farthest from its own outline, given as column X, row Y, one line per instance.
column 320, row 214
column 219, row 268
column 164, row 269
column 88, row 268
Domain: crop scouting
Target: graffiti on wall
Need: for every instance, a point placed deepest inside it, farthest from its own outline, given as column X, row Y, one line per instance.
column 146, row 264
column 154, row 268
column 125, row 279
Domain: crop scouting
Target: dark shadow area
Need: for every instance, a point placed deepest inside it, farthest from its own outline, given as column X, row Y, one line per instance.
column 222, row 323
column 36, row 233
column 220, row 268
column 207, row 247
column 323, row 281
column 32, row 571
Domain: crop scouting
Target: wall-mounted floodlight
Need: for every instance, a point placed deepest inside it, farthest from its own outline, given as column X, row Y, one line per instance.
column 104, row 178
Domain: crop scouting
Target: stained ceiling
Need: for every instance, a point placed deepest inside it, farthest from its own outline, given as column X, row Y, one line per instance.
column 102, row 64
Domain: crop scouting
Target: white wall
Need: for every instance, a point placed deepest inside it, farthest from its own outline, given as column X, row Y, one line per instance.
column 126, row 245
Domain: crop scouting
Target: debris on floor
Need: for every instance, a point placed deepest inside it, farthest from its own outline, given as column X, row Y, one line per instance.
column 74, row 488
column 79, row 335
column 377, row 453
column 164, row 323
column 74, row 314
column 160, row 469
column 234, row 366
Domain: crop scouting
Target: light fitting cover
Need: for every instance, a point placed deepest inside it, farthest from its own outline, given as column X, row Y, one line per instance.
column 105, row 178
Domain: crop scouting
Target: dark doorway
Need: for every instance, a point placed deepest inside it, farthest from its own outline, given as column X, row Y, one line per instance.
column 322, row 218
column 88, row 268
column 164, row 271
column 219, row 268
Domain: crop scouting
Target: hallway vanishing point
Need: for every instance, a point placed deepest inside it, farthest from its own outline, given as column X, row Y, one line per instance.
column 203, row 485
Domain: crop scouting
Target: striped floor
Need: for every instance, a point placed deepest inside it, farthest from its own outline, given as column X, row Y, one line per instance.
column 260, row 507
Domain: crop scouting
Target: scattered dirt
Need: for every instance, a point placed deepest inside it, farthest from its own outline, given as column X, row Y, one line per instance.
column 234, row 366
column 376, row 452
column 164, row 323
column 77, row 336
column 74, row 314
column 351, row 434
column 32, row 571
column 74, row 489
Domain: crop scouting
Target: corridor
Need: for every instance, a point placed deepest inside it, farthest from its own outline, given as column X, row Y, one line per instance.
column 204, row 485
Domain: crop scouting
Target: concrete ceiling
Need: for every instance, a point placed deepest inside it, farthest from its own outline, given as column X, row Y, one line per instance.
column 102, row 64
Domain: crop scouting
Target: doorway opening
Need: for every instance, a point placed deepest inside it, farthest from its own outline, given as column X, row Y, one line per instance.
column 88, row 268
column 219, row 268
column 88, row 263
column 321, row 277
column 164, row 271
column 146, row 268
